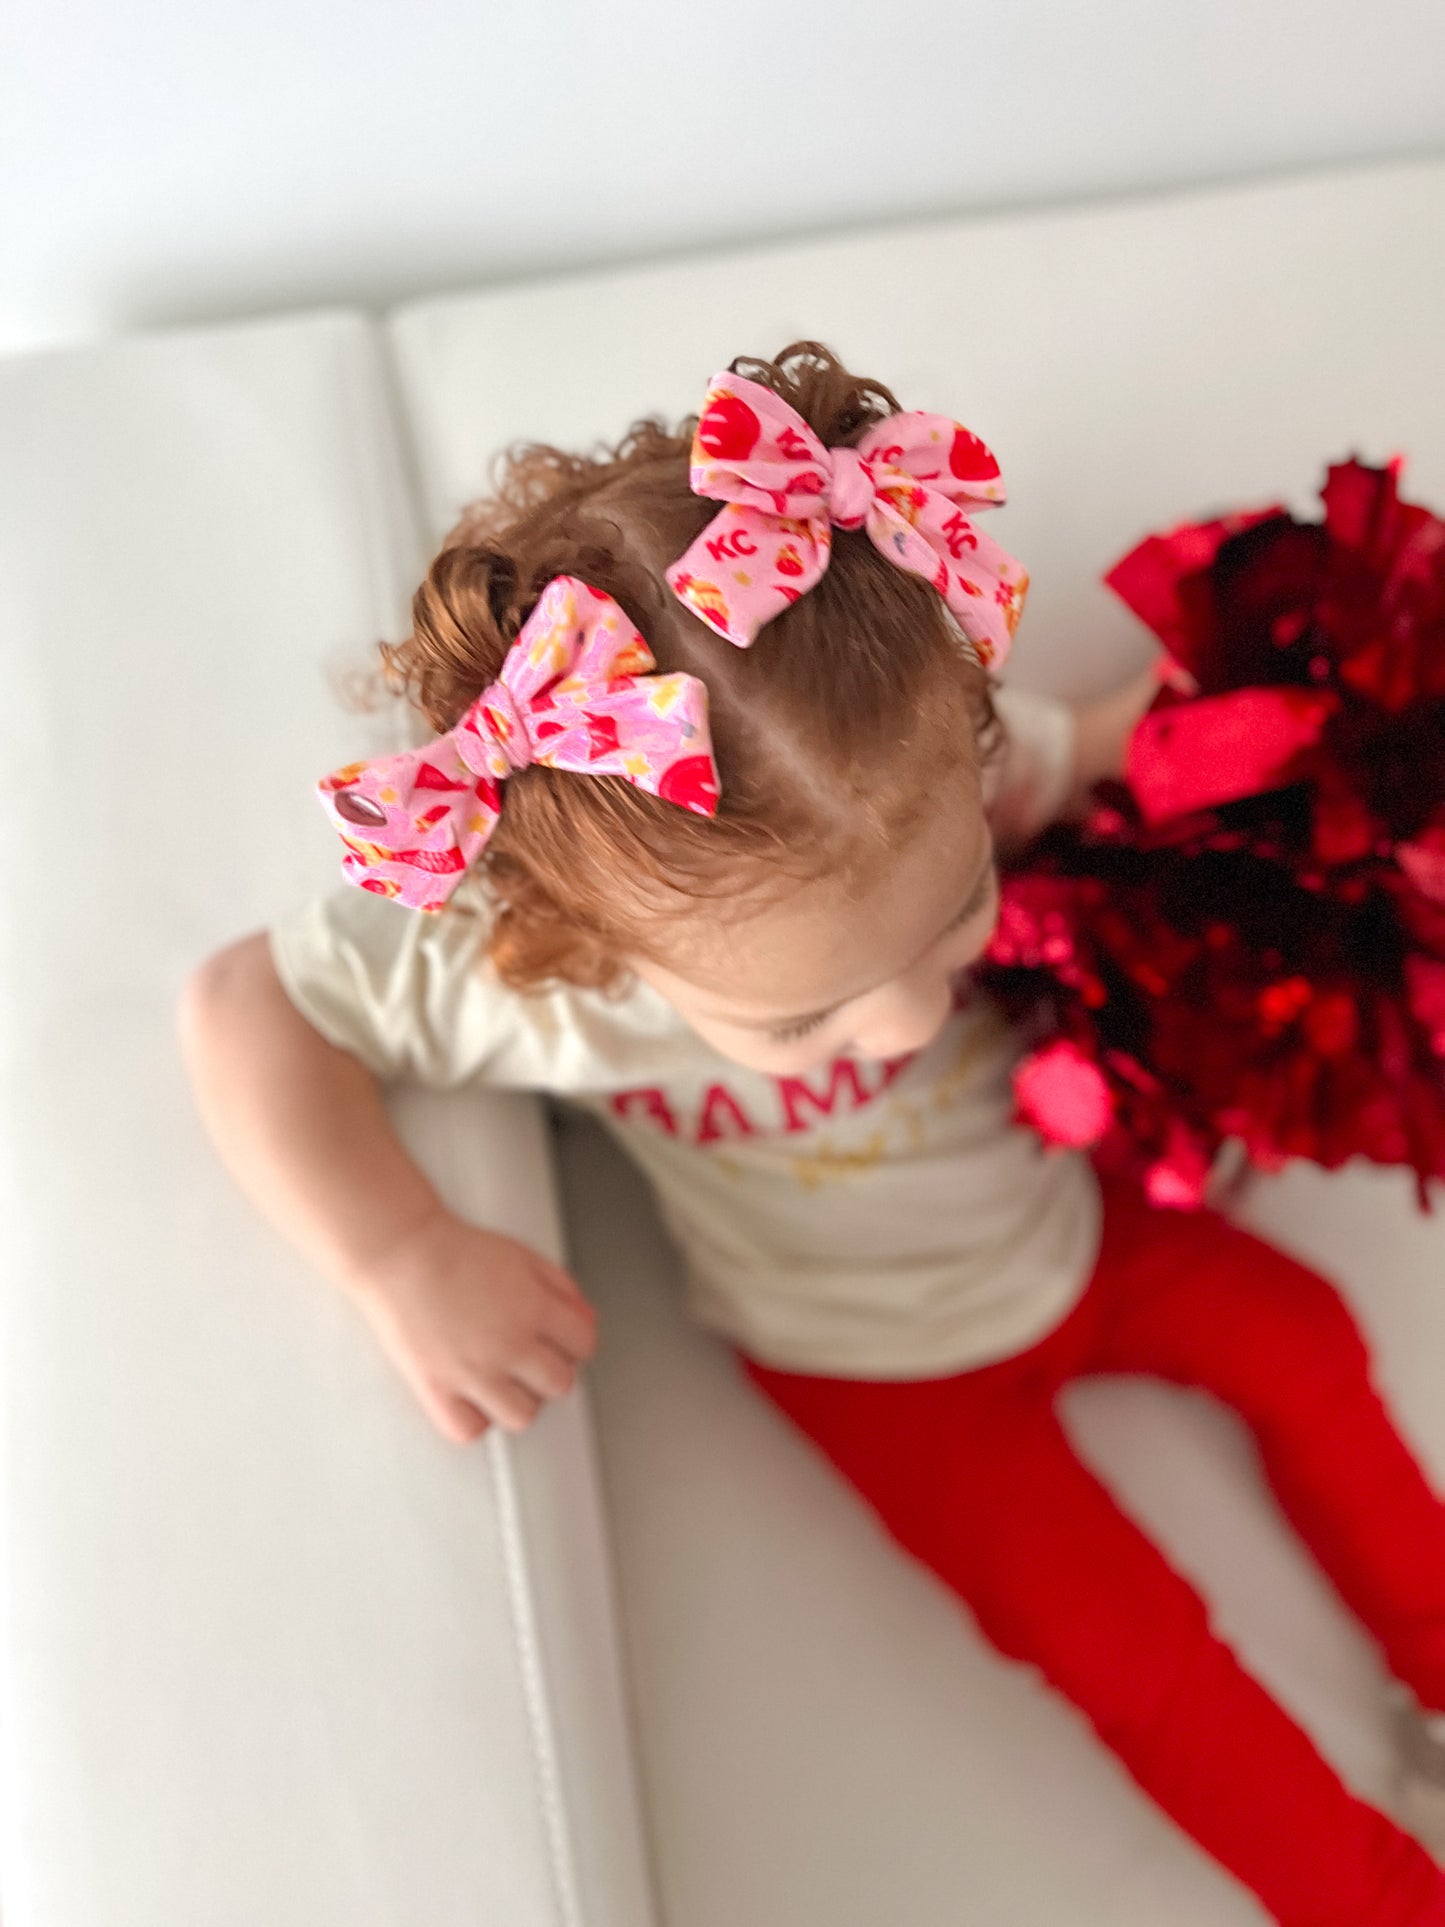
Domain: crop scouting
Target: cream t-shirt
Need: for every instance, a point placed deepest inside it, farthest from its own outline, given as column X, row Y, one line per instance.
column 871, row 1219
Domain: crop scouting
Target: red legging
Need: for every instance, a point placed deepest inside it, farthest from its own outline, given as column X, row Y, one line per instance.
column 973, row 1475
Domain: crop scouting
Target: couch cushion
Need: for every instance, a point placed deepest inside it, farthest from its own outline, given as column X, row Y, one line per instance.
column 274, row 1651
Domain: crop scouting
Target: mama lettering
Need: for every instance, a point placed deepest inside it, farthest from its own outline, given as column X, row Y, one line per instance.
column 792, row 1104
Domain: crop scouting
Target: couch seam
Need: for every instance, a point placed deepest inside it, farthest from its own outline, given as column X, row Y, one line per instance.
column 534, row 1688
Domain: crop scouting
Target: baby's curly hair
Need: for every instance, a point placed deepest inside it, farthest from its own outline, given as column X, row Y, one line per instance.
column 829, row 733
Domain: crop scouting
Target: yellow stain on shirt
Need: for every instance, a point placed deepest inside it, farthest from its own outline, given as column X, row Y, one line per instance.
column 980, row 1038
column 904, row 1111
column 909, row 1111
column 831, row 1165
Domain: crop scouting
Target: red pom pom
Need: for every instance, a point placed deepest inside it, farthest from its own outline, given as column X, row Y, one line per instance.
column 1178, row 1179
column 1063, row 1095
column 1248, row 939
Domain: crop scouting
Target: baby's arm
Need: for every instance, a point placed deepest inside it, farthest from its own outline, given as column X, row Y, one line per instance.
column 481, row 1326
column 1053, row 753
column 1102, row 730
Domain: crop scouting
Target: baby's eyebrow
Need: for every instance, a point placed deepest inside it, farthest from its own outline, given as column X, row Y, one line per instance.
column 972, row 904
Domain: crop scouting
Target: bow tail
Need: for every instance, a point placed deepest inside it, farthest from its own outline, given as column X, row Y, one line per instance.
column 651, row 731
column 748, row 566
column 411, row 823
column 982, row 584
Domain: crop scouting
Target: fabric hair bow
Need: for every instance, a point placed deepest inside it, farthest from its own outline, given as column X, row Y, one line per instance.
column 573, row 693
column 910, row 482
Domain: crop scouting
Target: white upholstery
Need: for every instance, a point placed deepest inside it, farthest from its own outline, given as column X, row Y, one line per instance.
column 273, row 1650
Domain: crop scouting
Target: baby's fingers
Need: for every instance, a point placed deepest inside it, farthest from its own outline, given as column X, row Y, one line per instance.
column 571, row 1325
column 455, row 1418
column 545, row 1370
column 512, row 1404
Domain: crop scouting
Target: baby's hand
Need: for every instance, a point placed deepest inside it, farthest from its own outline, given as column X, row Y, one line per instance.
column 481, row 1326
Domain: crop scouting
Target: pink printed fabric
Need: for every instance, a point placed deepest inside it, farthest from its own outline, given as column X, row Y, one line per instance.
column 574, row 693
column 911, row 483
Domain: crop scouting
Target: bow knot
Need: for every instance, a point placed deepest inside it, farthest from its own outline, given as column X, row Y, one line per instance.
column 912, row 483
column 853, row 487
column 575, row 692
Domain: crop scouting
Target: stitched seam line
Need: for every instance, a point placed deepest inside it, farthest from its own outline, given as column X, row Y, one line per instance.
column 561, row 1857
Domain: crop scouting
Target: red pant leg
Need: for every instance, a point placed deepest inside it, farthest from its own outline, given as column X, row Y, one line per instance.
column 1192, row 1298
column 974, row 1477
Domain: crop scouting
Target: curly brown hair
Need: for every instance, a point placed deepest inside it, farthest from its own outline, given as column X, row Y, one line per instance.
column 829, row 733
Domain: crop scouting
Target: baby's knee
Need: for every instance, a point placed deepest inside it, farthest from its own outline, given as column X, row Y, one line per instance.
column 1297, row 1334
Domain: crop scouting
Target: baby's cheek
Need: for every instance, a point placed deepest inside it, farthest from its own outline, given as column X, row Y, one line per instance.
column 737, row 1046
column 971, row 943
column 760, row 1053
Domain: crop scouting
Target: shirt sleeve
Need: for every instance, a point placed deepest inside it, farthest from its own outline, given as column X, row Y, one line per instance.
column 405, row 991
column 1029, row 778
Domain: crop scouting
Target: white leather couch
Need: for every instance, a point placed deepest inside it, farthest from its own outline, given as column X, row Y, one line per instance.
column 274, row 1653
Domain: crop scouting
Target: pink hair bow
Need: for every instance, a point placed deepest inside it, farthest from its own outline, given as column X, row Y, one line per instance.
column 910, row 483
column 572, row 693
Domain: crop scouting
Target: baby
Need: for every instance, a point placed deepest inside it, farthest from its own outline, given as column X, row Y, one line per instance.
column 706, row 844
